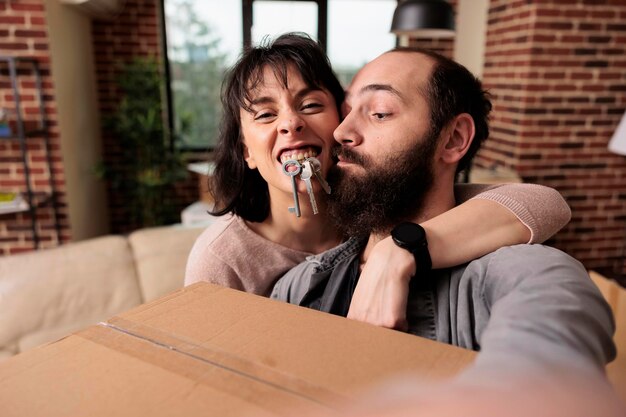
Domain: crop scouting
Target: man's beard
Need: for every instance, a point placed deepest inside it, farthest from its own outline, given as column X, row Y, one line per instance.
column 390, row 191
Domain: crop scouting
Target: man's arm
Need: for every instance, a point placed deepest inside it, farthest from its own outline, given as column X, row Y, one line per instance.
column 489, row 218
column 543, row 311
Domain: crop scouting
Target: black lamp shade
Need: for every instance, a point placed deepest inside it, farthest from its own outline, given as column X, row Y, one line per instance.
column 424, row 18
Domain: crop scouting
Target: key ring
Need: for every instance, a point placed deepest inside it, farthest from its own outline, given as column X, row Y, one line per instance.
column 289, row 163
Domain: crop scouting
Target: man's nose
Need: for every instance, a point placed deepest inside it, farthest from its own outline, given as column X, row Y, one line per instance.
column 291, row 123
column 346, row 133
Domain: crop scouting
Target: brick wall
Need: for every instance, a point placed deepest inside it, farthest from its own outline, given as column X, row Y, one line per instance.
column 134, row 33
column 442, row 46
column 23, row 33
column 557, row 72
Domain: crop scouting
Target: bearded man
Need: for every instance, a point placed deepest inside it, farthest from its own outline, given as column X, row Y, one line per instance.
column 412, row 121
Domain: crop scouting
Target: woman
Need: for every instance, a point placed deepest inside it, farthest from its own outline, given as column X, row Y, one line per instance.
column 282, row 100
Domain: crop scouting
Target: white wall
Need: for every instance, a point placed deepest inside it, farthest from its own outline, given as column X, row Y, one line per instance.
column 74, row 78
column 471, row 30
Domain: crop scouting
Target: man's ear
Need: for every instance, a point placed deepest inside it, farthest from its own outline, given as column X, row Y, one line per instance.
column 459, row 137
column 248, row 158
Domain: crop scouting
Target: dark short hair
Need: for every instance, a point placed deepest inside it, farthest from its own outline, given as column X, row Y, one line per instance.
column 452, row 90
column 236, row 188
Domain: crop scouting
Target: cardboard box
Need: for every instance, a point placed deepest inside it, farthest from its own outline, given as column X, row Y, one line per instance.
column 211, row 351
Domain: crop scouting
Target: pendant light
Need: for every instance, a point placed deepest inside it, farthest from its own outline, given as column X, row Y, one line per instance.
column 423, row 18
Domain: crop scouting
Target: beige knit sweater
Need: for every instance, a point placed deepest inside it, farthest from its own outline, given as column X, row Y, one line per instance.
column 229, row 253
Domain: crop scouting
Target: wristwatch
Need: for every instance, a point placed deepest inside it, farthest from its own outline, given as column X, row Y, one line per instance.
column 412, row 237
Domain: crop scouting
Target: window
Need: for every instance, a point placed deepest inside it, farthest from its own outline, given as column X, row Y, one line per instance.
column 205, row 37
column 355, row 38
column 269, row 18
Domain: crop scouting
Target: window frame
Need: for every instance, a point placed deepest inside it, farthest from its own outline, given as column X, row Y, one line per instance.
column 247, row 21
column 322, row 20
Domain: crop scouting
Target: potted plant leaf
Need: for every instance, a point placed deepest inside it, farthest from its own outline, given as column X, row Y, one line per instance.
column 147, row 164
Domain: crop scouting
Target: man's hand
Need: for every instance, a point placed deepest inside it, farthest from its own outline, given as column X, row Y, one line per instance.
column 380, row 297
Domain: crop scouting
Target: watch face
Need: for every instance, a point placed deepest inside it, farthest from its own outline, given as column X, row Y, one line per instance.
column 408, row 234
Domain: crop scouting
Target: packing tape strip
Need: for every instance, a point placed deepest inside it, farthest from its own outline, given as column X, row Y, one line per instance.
column 205, row 364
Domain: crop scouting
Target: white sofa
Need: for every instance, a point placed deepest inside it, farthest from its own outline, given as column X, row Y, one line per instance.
column 48, row 294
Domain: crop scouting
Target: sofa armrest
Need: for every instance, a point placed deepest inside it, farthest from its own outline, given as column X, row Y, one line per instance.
column 47, row 294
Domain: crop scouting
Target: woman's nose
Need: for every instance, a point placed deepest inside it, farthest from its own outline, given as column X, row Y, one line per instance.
column 292, row 123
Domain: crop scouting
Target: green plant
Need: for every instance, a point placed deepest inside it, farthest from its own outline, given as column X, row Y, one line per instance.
column 147, row 165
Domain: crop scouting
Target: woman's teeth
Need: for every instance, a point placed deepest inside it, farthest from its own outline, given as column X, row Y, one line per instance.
column 298, row 155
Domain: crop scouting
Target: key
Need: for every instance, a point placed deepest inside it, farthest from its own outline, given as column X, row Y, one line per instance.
column 296, row 201
column 305, row 176
column 316, row 165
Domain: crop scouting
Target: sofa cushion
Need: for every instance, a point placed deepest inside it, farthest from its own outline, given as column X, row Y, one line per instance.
column 161, row 256
column 47, row 294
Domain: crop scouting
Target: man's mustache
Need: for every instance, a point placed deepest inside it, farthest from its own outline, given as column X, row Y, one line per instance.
column 349, row 155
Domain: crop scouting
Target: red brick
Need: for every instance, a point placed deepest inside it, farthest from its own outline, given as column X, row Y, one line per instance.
column 552, row 76
column 543, row 38
column 17, row 20
column 609, row 76
column 565, row 87
column 37, row 20
column 613, row 51
column 581, row 76
column 21, row 33
column 597, row 63
column 537, row 87
column 13, row 46
column 572, row 38
column 15, row 250
column 590, row 26
column 576, row 13
column 599, row 39
column 27, row 7
column 548, row 12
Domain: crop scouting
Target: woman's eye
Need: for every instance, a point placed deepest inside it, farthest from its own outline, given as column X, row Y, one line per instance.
column 311, row 106
column 263, row 116
column 380, row 116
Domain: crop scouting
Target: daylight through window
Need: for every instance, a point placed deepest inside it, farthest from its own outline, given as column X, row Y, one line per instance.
column 204, row 38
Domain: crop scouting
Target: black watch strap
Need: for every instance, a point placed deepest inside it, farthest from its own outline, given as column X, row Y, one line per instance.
column 412, row 237
column 422, row 259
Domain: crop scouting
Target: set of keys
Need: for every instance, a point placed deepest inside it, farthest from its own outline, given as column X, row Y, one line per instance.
column 306, row 169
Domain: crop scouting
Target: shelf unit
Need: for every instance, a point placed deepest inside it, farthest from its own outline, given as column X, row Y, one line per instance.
column 22, row 134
